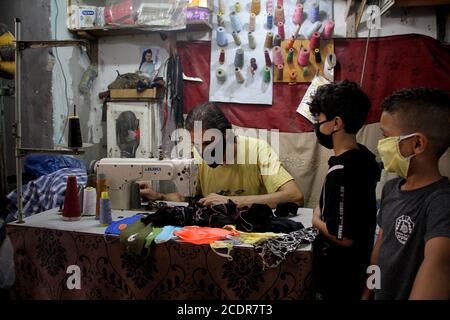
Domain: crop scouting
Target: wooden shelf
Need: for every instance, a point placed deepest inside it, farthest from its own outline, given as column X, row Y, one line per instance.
column 113, row 31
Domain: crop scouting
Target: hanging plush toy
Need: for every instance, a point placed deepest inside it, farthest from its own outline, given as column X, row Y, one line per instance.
column 7, row 55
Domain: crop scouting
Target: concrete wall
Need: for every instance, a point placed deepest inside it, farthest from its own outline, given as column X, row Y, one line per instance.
column 37, row 110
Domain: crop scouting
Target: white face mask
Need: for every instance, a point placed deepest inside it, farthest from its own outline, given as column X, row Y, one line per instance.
column 391, row 156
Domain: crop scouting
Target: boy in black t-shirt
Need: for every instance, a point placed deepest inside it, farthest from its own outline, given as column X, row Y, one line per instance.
column 347, row 211
column 413, row 246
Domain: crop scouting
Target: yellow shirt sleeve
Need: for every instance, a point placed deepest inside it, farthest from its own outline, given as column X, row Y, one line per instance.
column 273, row 174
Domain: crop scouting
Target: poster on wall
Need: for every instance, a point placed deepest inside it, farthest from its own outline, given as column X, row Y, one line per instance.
column 244, row 34
column 150, row 62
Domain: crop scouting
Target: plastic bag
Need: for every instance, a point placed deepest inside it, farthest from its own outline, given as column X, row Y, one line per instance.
column 42, row 164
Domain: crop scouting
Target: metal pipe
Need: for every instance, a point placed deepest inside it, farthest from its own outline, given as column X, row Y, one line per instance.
column 18, row 122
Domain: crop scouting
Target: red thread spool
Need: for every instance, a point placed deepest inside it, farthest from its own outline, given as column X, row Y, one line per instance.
column 314, row 42
column 303, row 56
column 267, row 58
column 280, row 68
column 281, row 30
column 328, row 30
column 72, row 210
column 222, row 56
column 280, row 2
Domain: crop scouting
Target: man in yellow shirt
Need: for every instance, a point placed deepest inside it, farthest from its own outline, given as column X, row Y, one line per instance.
column 245, row 170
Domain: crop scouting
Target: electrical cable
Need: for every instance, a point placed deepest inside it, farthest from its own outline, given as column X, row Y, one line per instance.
column 365, row 53
column 63, row 74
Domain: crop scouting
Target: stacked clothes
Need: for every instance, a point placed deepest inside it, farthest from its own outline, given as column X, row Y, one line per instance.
column 273, row 234
column 46, row 192
column 256, row 218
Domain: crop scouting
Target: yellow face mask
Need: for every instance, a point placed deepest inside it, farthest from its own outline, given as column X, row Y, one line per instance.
column 393, row 160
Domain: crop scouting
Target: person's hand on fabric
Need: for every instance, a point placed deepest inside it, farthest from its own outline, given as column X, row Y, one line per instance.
column 147, row 192
column 316, row 219
column 213, row 199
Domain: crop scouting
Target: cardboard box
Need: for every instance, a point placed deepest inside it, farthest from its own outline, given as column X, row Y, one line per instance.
column 132, row 94
column 87, row 16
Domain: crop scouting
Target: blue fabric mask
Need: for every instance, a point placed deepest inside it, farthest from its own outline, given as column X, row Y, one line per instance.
column 113, row 228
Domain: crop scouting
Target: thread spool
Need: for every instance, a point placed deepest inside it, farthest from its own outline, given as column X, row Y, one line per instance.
column 220, row 20
column 280, row 2
column 280, row 74
column 328, row 29
column 269, row 21
column 314, row 41
column 269, row 6
column 313, row 28
column 222, row 56
column 269, row 40
column 89, row 201
column 75, row 140
column 71, row 211
column 251, row 40
column 277, row 41
column 101, row 186
column 279, row 14
column 297, row 18
column 252, row 22
column 305, row 72
column 135, row 197
column 277, row 56
column 105, row 209
column 314, row 13
column 239, row 58
column 222, row 40
column 221, row 7
column 293, row 75
column 266, row 74
column 328, row 68
column 267, row 58
column 235, row 22
column 236, row 38
column 290, row 43
column 253, row 66
column 317, row 55
column 255, row 7
column 281, row 30
column 237, row 7
column 80, row 196
column 290, row 56
column 221, row 75
column 239, row 76
column 303, row 56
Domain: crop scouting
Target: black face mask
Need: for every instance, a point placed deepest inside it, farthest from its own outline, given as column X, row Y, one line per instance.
column 325, row 140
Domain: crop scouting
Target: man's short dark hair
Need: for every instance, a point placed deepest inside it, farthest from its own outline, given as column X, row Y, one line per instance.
column 424, row 110
column 345, row 100
column 211, row 117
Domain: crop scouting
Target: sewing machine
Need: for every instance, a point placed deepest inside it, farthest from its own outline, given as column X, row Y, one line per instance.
column 120, row 173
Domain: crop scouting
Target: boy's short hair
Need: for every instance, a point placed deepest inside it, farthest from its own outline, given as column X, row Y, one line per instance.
column 424, row 110
column 345, row 100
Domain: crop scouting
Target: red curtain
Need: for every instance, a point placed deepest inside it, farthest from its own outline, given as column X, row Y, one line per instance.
column 392, row 63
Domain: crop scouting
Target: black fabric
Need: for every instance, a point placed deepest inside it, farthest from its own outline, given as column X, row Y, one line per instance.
column 175, row 83
column 348, row 207
column 256, row 218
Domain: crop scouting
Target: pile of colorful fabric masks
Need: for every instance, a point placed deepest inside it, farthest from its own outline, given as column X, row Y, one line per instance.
column 273, row 234
column 257, row 218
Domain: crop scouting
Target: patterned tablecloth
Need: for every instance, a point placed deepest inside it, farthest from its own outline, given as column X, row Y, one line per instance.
column 45, row 247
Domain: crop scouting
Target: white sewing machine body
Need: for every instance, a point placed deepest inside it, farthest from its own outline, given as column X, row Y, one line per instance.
column 120, row 173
